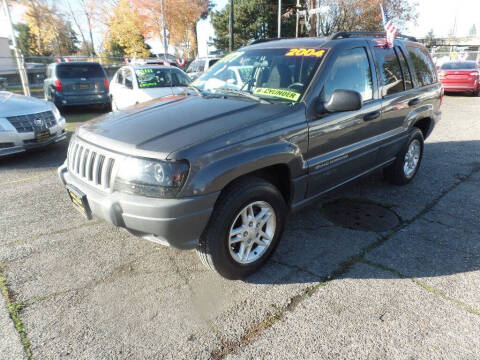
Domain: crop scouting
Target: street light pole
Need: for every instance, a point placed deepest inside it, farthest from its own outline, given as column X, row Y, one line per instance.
column 165, row 45
column 279, row 18
column 18, row 55
column 230, row 28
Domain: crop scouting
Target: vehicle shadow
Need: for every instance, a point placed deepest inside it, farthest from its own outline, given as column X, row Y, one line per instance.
column 431, row 244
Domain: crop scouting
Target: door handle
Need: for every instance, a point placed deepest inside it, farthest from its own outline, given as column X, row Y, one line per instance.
column 414, row 102
column 372, row 116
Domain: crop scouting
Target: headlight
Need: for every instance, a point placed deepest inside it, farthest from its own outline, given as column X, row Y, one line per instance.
column 151, row 178
column 6, row 126
column 56, row 113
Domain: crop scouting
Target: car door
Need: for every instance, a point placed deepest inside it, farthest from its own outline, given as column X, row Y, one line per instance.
column 399, row 98
column 123, row 93
column 340, row 144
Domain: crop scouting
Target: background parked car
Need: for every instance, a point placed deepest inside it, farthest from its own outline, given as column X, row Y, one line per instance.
column 199, row 66
column 27, row 123
column 76, row 83
column 135, row 84
column 460, row 76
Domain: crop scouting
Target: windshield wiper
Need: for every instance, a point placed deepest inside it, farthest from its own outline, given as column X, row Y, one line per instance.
column 245, row 94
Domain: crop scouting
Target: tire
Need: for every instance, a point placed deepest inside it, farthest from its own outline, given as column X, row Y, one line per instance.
column 227, row 259
column 399, row 173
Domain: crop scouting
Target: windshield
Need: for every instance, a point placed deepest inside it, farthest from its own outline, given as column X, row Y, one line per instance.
column 461, row 65
column 273, row 74
column 153, row 78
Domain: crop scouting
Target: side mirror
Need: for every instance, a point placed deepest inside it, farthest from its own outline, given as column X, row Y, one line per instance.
column 343, row 100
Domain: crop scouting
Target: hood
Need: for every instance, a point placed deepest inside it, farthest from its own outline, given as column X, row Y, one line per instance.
column 159, row 127
column 12, row 104
column 153, row 93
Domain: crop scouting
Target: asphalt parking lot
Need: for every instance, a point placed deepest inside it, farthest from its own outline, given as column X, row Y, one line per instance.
column 74, row 289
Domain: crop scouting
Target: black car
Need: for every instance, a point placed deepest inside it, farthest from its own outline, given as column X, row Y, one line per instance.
column 76, row 83
column 267, row 130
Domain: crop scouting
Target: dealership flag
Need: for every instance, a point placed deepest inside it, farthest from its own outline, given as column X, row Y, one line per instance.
column 390, row 29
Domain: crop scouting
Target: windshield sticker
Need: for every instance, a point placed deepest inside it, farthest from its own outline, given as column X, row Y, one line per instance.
column 284, row 94
column 230, row 57
column 305, row 52
column 148, row 84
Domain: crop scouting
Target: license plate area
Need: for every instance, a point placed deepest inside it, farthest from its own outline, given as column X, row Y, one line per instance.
column 84, row 86
column 79, row 201
column 41, row 136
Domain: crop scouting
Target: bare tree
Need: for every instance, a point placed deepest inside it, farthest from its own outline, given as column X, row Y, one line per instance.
column 77, row 24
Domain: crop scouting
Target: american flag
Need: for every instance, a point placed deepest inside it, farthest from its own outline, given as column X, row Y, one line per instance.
column 390, row 29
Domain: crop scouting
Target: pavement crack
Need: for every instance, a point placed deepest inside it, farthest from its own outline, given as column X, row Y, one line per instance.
column 14, row 308
column 424, row 286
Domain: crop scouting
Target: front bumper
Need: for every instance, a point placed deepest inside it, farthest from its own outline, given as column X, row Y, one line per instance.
column 14, row 142
column 175, row 222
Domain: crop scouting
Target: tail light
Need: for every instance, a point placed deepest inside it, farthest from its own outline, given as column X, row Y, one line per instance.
column 58, row 86
column 107, row 84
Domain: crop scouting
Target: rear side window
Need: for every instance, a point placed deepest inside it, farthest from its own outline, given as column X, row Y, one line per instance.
column 76, row 71
column 390, row 70
column 405, row 70
column 212, row 62
column 423, row 65
column 351, row 71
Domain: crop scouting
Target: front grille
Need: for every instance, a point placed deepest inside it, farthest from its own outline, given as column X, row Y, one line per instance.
column 25, row 123
column 92, row 165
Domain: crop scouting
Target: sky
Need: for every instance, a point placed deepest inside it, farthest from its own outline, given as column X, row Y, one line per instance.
column 438, row 15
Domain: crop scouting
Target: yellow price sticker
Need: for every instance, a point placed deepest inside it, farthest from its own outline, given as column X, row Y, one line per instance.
column 284, row 94
column 305, row 52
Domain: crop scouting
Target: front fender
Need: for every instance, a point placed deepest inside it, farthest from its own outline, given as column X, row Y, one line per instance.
column 216, row 175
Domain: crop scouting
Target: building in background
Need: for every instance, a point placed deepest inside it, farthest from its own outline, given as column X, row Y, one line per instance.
column 205, row 36
column 7, row 62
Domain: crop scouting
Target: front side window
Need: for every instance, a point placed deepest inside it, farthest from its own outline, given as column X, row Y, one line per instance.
column 120, row 77
column 390, row 70
column 351, row 71
column 278, row 75
column 180, row 79
column 153, row 78
column 424, row 68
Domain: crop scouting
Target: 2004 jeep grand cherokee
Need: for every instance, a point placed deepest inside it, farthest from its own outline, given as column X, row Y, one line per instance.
column 265, row 131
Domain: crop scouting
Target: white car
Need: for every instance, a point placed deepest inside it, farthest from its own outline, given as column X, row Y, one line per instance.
column 139, row 83
column 27, row 123
column 199, row 66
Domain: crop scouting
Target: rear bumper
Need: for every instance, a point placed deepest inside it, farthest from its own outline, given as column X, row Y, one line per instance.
column 175, row 222
column 456, row 86
column 13, row 142
column 61, row 99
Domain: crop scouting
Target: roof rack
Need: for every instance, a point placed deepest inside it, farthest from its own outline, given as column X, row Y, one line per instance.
column 258, row 41
column 348, row 34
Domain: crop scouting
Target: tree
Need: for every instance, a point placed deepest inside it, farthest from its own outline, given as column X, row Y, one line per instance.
column 24, row 39
column 473, row 31
column 181, row 17
column 125, row 31
column 254, row 19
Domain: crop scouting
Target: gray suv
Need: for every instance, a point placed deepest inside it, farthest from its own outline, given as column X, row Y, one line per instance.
column 267, row 130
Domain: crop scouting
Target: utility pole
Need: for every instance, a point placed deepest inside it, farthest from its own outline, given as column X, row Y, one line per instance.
column 297, row 8
column 18, row 55
column 230, row 28
column 165, row 44
column 279, row 18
